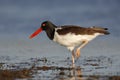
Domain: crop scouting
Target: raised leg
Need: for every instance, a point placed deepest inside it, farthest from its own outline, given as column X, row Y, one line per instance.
column 77, row 54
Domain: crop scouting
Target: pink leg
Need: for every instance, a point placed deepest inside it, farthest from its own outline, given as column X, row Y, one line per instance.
column 73, row 57
column 81, row 46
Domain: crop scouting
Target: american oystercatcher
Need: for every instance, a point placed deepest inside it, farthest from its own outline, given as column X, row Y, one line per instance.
column 70, row 36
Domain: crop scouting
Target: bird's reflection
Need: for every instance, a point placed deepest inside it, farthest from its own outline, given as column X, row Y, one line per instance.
column 69, row 74
column 75, row 73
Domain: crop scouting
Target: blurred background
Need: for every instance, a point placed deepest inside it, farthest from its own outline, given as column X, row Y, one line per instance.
column 20, row 18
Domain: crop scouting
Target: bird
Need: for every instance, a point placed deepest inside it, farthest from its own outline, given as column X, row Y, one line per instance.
column 71, row 36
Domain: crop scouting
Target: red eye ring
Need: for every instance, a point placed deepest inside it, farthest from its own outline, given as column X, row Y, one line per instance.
column 43, row 24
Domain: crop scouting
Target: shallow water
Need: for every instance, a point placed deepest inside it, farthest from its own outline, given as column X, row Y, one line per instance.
column 40, row 58
column 59, row 68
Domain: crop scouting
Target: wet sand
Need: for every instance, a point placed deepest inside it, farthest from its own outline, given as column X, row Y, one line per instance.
column 87, row 68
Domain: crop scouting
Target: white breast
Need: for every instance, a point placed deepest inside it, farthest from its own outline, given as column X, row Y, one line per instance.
column 71, row 40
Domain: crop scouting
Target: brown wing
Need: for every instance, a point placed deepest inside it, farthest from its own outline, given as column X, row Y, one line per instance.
column 76, row 30
column 100, row 30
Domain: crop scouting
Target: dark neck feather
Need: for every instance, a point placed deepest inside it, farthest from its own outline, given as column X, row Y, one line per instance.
column 50, row 29
column 50, row 33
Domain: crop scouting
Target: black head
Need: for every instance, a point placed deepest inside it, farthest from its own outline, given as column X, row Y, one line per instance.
column 49, row 28
column 47, row 25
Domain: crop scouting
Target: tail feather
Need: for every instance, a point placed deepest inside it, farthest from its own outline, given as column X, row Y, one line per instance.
column 100, row 30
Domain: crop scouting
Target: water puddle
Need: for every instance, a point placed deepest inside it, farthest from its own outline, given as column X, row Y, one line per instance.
column 56, row 68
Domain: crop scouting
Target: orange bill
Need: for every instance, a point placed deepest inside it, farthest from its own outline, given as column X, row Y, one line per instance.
column 35, row 33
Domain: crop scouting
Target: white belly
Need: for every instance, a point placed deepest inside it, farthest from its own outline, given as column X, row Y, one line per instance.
column 72, row 40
